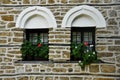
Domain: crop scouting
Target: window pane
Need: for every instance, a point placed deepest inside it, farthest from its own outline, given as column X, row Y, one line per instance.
column 74, row 33
column 88, row 37
column 74, row 38
column 33, row 37
column 45, row 39
column 41, row 37
column 78, row 39
column 45, row 34
column 79, row 33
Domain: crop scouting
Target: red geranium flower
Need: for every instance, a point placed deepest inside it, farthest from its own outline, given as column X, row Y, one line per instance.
column 86, row 43
column 39, row 45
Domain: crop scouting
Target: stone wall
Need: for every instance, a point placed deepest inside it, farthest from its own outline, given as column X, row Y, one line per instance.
column 11, row 38
column 49, row 2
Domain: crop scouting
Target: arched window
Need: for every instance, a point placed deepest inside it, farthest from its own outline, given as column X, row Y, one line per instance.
column 83, row 20
column 36, row 22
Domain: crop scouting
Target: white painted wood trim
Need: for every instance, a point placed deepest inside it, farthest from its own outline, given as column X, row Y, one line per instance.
column 90, row 11
column 43, row 12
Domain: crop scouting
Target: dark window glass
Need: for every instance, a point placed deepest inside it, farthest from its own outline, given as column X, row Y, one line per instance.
column 37, row 35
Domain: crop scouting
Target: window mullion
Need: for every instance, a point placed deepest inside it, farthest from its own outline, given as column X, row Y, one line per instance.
column 82, row 37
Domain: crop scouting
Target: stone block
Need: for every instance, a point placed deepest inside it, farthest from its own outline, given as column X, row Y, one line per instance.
column 95, row 1
column 70, row 69
column 64, row 1
column 56, row 78
column 48, row 78
column 101, row 48
column 117, row 42
column 8, row 67
column 6, row 1
column 14, row 12
column 118, row 65
column 114, row 48
column 66, row 54
column 118, row 59
column 103, row 78
column 105, row 54
column 64, row 78
column 108, row 59
column 3, row 41
column 26, row 2
column 88, row 78
column 5, row 33
column 35, row 69
column 11, row 25
column 107, row 1
column 67, row 65
column 108, row 68
column 28, row 70
column 62, row 36
column 59, row 70
column 8, row 18
column 105, row 32
column 74, row 1
column 17, row 29
column 9, row 71
column 118, row 71
column 23, row 78
column 112, row 28
column 112, row 13
column 2, row 26
column 32, row 78
column 118, row 78
column 14, row 52
column 18, row 34
column 0, row 59
column 112, row 21
column 1, row 72
column 94, row 68
column 20, row 68
column 117, row 1
column 17, row 39
column 34, row 2
column 51, row 1
column 9, row 79
column 39, row 78
column 76, row 78
column 7, row 59
column 43, row 1
column 56, row 41
column 3, row 12
column 2, row 50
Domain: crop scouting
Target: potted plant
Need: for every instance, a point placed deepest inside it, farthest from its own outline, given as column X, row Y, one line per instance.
column 85, row 53
column 27, row 51
column 37, row 51
column 77, row 51
column 41, row 52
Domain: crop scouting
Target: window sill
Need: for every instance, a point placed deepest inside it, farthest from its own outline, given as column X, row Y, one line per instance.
column 37, row 62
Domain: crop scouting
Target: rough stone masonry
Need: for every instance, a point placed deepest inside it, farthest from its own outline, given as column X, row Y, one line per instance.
column 11, row 38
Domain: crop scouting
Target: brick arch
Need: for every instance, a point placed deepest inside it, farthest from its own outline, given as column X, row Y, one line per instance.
column 36, row 17
column 83, row 16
